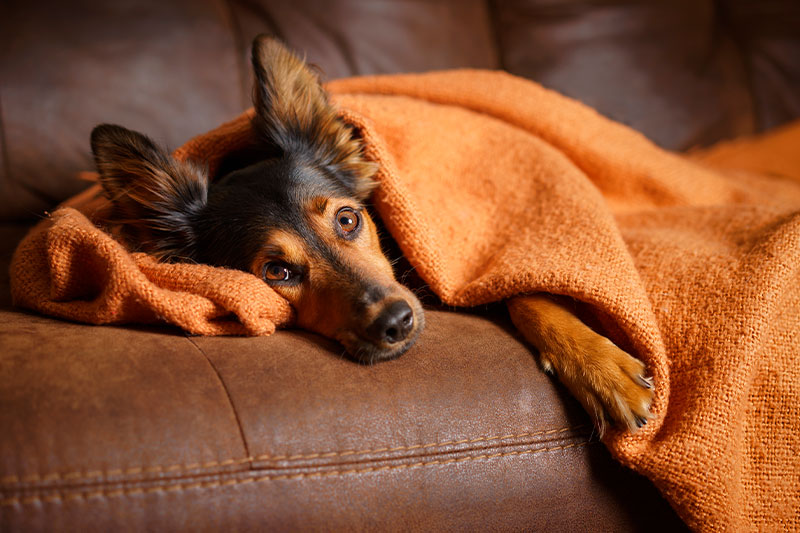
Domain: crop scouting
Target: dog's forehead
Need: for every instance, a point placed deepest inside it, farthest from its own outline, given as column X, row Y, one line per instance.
column 285, row 179
column 280, row 190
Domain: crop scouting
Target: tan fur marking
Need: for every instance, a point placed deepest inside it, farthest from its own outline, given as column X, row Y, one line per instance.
column 319, row 205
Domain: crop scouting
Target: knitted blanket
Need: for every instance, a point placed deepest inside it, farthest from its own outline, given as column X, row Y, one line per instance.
column 493, row 187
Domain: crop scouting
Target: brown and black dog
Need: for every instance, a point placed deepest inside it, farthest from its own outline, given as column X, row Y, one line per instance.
column 294, row 215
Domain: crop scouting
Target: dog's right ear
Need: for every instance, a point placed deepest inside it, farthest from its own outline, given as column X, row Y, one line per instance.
column 293, row 113
column 156, row 198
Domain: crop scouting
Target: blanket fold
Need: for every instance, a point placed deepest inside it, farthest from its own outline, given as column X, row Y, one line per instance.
column 493, row 187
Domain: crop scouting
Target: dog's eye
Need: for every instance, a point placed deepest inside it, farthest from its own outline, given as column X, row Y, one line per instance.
column 276, row 271
column 348, row 222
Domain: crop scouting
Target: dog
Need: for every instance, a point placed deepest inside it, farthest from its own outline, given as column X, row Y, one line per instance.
column 292, row 212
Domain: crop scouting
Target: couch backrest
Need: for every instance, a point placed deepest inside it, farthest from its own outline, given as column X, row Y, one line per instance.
column 685, row 72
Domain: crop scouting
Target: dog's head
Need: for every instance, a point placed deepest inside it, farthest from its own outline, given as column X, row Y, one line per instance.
column 295, row 217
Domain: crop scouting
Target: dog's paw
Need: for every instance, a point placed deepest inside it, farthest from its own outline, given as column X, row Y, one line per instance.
column 607, row 381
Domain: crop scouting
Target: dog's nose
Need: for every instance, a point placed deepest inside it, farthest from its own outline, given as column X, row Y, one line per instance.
column 393, row 324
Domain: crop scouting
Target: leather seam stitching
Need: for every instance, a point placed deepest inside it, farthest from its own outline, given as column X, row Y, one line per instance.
column 92, row 474
column 182, row 487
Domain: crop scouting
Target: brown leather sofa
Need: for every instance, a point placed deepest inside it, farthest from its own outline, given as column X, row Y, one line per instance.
column 146, row 428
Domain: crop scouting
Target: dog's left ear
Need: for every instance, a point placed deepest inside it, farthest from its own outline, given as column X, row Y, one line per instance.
column 294, row 114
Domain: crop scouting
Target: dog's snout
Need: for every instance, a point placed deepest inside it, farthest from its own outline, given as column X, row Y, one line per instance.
column 393, row 324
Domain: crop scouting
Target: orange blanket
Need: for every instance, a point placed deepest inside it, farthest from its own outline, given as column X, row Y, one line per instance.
column 494, row 186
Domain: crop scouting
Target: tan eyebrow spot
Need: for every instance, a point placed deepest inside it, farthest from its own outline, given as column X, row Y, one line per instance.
column 320, row 204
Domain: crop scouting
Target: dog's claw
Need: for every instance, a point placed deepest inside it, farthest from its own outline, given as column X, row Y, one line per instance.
column 645, row 382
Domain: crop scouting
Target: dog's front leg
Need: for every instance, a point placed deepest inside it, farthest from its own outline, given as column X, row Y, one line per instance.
column 605, row 379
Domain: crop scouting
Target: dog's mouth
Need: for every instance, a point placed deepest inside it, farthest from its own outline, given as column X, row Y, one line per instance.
column 391, row 335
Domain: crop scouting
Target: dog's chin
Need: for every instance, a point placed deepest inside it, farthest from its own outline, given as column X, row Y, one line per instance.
column 368, row 353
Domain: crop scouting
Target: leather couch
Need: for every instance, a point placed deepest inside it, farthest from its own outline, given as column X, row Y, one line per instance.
column 146, row 428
